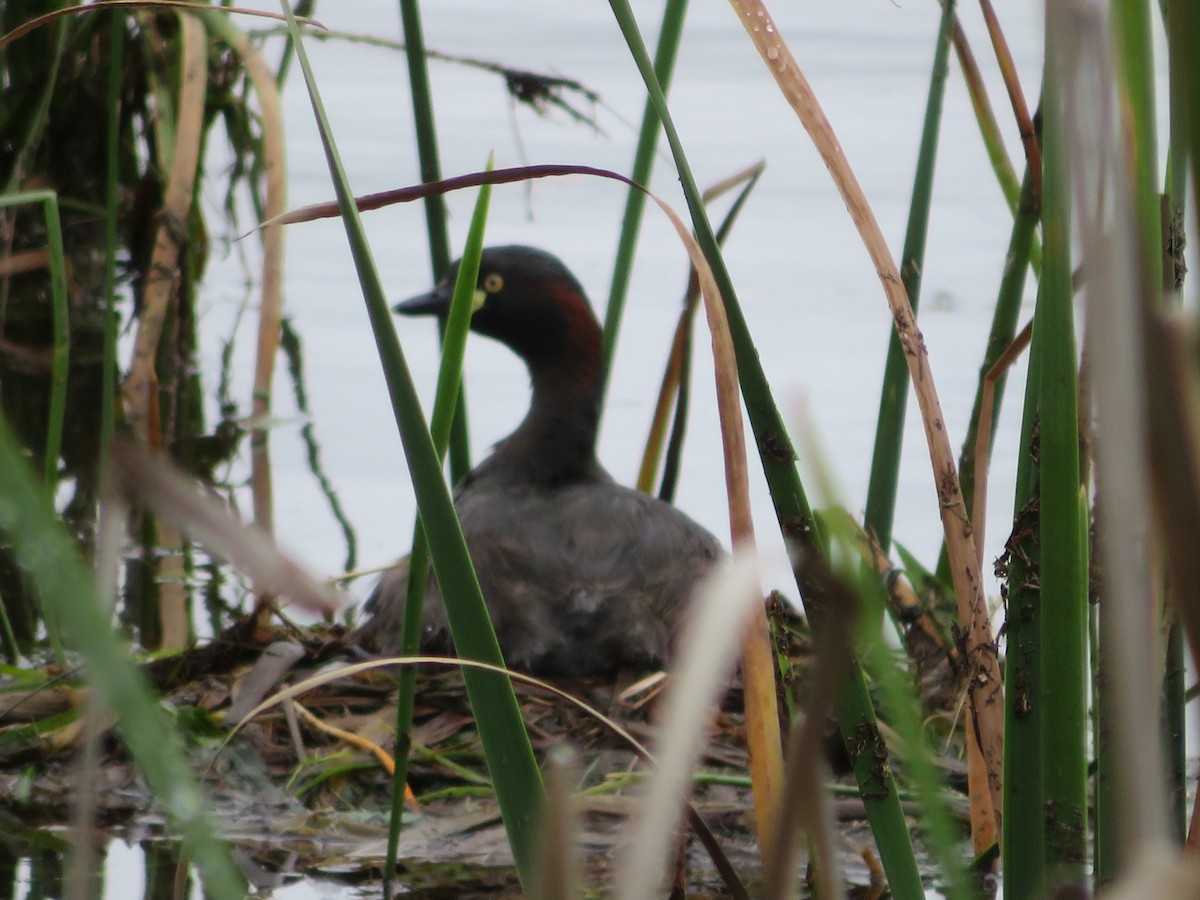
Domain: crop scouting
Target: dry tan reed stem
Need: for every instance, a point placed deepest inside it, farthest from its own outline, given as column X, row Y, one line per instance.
column 270, row 314
column 162, row 275
column 161, row 283
column 1008, row 68
column 667, row 393
column 763, row 734
column 983, row 429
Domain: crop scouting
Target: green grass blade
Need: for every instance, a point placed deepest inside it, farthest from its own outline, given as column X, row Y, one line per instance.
column 34, row 130
column 47, row 553
column 1183, row 20
column 906, row 717
column 505, row 743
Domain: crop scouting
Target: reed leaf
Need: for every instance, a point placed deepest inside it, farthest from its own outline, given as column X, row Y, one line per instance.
column 1063, row 533
column 449, row 383
column 505, row 743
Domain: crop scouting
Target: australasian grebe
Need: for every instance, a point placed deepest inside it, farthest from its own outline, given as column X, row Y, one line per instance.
column 581, row 575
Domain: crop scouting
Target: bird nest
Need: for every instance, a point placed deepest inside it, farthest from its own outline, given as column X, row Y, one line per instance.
column 309, row 773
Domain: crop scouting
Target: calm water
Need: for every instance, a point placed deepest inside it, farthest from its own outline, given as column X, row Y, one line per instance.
column 810, row 294
column 811, row 297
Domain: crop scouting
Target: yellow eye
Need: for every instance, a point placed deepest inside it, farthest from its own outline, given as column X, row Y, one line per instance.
column 493, row 283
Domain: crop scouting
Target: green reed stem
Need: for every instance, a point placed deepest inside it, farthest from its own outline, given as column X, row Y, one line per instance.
column 1183, row 32
column 889, row 429
column 1175, row 731
column 35, row 129
column 1023, row 839
column 673, row 453
column 60, row 359
column 60, row 323
column 669, row 35
column 855, row 712
column 899, row 695
column 62, row 339
column 1136, row 85
column 1064, row 529
column 292, row 347
column 435, row 204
